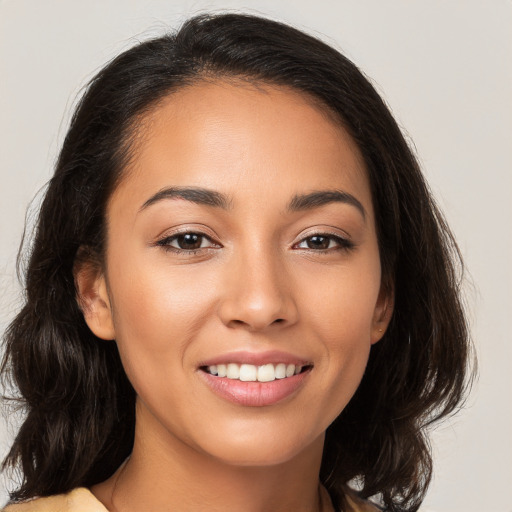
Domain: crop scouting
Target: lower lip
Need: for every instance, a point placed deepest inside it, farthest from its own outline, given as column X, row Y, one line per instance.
column 254, row 394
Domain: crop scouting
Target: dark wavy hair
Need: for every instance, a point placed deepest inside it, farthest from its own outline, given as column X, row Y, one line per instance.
column 79, row 404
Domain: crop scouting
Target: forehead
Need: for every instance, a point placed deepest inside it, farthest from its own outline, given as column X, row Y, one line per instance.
column 238, row 137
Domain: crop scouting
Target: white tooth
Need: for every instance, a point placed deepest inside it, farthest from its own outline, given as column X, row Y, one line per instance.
column 280, row 371
column 221, row 370
column 248, row 372
column 266, row 373
column 212, row 369
column 298, row 369
column 233, row 371
column 290, row 370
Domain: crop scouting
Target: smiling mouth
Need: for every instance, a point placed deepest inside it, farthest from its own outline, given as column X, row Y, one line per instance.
column 252, row 373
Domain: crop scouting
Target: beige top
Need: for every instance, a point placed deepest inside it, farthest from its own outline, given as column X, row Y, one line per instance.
column 78, row 500
column 82, row 500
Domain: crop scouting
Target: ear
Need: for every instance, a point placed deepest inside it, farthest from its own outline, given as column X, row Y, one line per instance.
column 383, row 311
column 92, row 296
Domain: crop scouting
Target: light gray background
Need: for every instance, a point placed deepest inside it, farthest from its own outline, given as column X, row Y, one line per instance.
column 444, row 67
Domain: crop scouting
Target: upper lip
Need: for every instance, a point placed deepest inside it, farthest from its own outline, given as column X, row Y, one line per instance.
column 256, row 358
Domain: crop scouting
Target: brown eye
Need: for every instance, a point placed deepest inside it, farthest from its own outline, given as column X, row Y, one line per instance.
column 318, row 242
column 325, row 242
column 189, row 241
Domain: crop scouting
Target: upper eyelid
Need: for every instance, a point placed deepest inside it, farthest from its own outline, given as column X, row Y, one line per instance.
column 344, row 242
column 174, row 232
column 174, row 236
column 326, row 235
column 324, row 232
column 345, row 237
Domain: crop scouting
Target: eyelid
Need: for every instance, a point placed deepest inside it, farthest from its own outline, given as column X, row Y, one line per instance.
column 325, row 231
column 171, row 234
column 166, row 241
column 198, row 229
column 344, row 240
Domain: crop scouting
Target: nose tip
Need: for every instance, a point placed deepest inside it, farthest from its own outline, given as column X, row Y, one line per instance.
column 256, row 319
column 258, row 298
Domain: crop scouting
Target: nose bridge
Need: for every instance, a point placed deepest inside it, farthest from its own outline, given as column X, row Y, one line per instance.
column 259, row 293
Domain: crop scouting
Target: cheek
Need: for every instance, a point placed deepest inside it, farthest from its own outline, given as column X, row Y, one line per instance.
column 344, row 326
column 344, row 303
column 341, row 315
column 157, row 311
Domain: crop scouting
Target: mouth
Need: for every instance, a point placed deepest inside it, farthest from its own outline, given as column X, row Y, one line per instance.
column 255, row 379
column 252, row 373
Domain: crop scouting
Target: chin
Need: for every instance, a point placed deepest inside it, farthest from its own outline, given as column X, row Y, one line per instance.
column 259, row 449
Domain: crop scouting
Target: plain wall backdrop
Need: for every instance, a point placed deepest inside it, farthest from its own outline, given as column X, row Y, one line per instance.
column 445, row 70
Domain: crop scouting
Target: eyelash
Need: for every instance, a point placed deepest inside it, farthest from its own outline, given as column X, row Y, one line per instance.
column 165, row 243
column 343, row 244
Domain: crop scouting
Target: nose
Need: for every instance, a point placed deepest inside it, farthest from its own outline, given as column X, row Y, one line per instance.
column 258, row 294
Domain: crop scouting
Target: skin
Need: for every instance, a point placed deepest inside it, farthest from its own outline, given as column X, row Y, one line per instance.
column 257, row 283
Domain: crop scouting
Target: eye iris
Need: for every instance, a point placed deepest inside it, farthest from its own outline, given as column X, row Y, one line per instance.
column 318, row 242
column 189, row 241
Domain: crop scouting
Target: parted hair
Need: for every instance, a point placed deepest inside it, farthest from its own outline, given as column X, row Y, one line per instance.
column 79, row 405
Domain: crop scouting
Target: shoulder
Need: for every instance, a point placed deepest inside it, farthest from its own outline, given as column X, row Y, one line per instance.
column 78, row 500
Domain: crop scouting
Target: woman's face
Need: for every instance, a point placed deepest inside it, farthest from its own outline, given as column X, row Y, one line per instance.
column 242, row 242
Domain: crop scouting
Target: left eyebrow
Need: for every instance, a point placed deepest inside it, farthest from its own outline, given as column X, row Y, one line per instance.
column 323, row 197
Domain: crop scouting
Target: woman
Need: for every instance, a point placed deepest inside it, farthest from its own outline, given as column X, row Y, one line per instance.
column 240, row 294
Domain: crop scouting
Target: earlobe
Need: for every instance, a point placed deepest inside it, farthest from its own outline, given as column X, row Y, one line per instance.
column 383, row 312
column 93, row 299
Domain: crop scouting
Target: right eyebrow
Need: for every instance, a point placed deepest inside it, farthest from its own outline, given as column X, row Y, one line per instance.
column 196, row 195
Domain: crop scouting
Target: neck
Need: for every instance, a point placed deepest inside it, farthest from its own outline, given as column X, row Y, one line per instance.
column 165, row 474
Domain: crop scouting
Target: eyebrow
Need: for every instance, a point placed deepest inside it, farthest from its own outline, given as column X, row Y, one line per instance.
column 196, row 195
column 299, row 202
column 323, row 197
